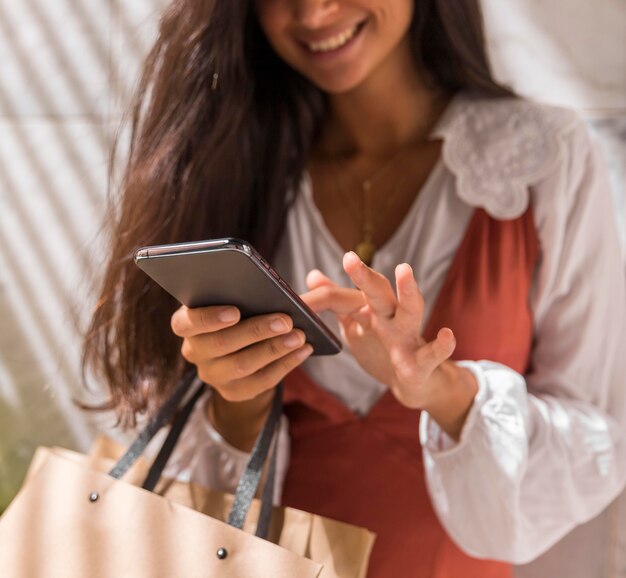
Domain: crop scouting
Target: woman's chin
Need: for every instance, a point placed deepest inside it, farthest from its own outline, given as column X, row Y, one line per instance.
column 337, row 84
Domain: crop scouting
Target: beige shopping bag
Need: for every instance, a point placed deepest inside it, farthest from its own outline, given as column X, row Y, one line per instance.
column 342, row 549
column 73, row 519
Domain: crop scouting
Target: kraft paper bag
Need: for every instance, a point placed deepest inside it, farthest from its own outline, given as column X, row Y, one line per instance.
column 342, row 549
column 71, row 521
column 153, row 529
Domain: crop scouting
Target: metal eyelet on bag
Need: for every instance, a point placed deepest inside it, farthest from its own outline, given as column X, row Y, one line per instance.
column 222, row 553
column 93, row 497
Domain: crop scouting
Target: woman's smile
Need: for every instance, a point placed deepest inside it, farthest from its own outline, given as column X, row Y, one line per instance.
column 336, row 45
column 328, row 42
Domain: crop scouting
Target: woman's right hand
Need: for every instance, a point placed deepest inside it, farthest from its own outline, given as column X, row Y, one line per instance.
column 241, row 359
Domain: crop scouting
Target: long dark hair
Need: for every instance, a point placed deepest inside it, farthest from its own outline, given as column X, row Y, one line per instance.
column 221, row 130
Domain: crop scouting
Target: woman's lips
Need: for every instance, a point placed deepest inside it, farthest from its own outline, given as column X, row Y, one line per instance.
column 333, row 42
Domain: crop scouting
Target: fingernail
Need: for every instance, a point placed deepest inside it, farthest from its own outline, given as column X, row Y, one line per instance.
column 353, row 257
column 304, row 352
column 293, row 340
column 228, row 314
column 279, row 325
column 448, row 335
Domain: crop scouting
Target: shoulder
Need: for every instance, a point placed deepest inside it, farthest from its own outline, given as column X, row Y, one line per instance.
column 498, row 148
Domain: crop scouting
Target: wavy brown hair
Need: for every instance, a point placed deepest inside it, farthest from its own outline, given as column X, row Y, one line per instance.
column 210, row 159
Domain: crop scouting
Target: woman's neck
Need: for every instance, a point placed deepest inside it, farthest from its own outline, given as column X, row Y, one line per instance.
column 388, row 111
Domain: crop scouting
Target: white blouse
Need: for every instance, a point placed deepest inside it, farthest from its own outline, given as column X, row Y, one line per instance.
column 539, row 454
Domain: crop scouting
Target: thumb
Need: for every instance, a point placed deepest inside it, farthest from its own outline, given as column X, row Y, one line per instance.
column 433, row 354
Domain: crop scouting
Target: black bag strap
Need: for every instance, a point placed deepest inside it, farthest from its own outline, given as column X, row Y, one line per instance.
column 251, row 477
column 265, row 515
column 249, row 481
column 159, row 463
column 165, row 414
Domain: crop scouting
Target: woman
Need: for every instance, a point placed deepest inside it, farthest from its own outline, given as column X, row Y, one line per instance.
column 314, row 128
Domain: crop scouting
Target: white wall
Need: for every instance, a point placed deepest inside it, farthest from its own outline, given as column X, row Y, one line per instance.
column 570, row 53
column 67, row 69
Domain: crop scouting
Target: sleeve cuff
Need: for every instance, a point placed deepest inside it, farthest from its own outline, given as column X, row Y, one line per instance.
column 437, row 441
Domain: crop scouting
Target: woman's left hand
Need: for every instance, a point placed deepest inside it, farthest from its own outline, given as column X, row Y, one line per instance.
column 384, row 336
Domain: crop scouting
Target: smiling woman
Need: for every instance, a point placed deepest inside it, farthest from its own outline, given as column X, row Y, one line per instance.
column 457, row 423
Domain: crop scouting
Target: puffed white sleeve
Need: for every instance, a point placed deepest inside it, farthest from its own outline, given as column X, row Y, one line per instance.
column 541, row 453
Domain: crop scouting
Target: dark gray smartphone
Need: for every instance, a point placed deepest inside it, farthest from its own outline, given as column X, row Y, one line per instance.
column 230, row 272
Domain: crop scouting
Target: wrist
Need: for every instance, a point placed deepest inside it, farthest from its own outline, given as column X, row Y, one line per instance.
column 456, row 389
column 239, row 422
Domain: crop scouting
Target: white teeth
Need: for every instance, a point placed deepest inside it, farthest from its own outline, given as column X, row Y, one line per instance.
column 334, row 42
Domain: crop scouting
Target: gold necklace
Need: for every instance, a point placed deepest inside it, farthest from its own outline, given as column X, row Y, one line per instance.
column 366, row 247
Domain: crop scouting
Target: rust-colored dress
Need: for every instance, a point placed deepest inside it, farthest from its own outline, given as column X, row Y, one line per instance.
column 368, row 471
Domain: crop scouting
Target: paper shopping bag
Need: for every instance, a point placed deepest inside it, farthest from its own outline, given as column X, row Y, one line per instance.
column 342, row 549
column 70, row 521
column 75, row 517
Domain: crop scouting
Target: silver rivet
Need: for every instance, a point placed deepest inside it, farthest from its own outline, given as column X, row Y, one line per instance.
column 93, row 497
column 222, row 553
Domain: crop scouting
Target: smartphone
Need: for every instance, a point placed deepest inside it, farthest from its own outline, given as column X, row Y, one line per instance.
column 230, row 272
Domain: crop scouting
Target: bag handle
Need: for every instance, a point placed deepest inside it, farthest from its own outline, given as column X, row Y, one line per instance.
column 267, row 499
column 251, row 477
column 249, row 481
column 240, row 507
column 159, row 463
column 163, row 415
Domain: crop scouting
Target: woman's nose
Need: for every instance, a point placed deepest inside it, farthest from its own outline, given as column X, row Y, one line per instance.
column 314, row 13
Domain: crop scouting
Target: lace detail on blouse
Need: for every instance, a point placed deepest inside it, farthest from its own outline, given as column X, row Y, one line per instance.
column 498, row 148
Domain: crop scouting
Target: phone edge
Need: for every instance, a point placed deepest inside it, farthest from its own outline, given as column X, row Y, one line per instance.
column 233, row 243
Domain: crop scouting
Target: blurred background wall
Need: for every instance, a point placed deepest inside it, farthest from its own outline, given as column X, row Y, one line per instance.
column 67, row 68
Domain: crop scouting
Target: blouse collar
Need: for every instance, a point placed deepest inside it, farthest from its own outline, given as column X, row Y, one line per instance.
column 498, row 148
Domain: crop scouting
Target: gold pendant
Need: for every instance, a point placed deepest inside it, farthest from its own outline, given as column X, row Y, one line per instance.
column 365, row 250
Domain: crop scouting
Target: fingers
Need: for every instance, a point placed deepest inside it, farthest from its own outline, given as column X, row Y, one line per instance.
column 249, row 361
column 326, row 295
column 265, row 378
column 404, row 310
column 315, row 278
column 339, row 300
column 241, row 359
column 433, row 354
column 376, row 287
column 410, row 309
column 203, row 346
column 188, row 322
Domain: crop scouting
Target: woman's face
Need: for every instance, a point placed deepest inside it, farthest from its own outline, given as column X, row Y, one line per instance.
column 336, row 44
